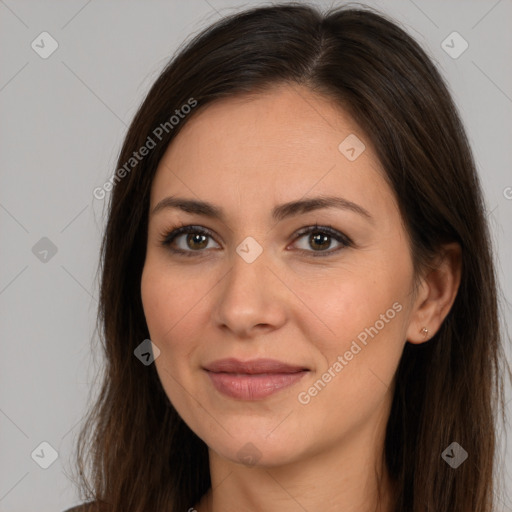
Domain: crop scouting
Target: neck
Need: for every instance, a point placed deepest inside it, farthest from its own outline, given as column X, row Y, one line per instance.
column 345, row 478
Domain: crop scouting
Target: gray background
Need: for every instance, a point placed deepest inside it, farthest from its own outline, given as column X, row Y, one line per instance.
column 63, row 119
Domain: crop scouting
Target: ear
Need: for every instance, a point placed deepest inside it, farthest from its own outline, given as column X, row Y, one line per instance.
column 437, row 292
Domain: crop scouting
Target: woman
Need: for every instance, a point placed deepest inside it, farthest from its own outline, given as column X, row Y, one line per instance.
column 297, row 226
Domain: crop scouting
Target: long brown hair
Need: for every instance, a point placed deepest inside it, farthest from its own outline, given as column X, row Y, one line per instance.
column 140, row 455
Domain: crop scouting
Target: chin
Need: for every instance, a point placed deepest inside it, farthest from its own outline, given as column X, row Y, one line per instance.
column 257, row 449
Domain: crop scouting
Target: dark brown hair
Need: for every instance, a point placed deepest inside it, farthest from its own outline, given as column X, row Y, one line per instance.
column 140, row 454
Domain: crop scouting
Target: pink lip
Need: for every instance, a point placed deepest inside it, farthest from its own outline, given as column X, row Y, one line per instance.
column 253, row 386
column 232, row 365
column 252, row 380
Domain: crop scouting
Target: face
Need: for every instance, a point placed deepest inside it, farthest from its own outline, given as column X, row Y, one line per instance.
column 326, row 290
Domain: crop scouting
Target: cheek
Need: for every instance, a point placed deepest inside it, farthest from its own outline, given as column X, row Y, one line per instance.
column 165, row 309
column 174, row 313
column 155, row 301
column 345, row 307
column 166, row 298
column 361, row 319
column 357, row 361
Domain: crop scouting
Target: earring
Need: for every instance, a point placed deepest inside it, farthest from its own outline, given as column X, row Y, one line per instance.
column 425, row 332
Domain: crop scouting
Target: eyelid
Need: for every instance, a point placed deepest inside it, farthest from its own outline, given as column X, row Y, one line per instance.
column 170, row 235
column 326, row 228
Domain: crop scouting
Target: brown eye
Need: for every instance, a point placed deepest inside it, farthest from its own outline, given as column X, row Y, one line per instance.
column 196, row 241
column 187, row 240
column 193, row 240
column 320, row 239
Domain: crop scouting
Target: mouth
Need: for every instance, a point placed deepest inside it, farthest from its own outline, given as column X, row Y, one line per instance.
column 253, row 380
column 253, row 366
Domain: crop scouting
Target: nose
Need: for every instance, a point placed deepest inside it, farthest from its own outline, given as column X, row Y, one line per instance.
column 250, row 299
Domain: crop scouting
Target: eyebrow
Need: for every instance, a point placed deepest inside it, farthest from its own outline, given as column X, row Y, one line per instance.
column 279, row 212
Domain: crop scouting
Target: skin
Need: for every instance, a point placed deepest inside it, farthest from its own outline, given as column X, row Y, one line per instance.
column 246, row 155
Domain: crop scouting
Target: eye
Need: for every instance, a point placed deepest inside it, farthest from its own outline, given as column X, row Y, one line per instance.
column 191, row 240
column 195, row 241
column 320, row 238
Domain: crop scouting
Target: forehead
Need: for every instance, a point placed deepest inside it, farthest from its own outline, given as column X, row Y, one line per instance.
column 276, row 146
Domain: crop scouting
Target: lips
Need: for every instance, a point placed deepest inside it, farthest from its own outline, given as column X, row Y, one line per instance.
column 255, row 366
column 252, row 380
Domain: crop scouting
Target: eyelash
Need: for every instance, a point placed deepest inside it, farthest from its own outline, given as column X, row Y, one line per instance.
column 169, row 236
